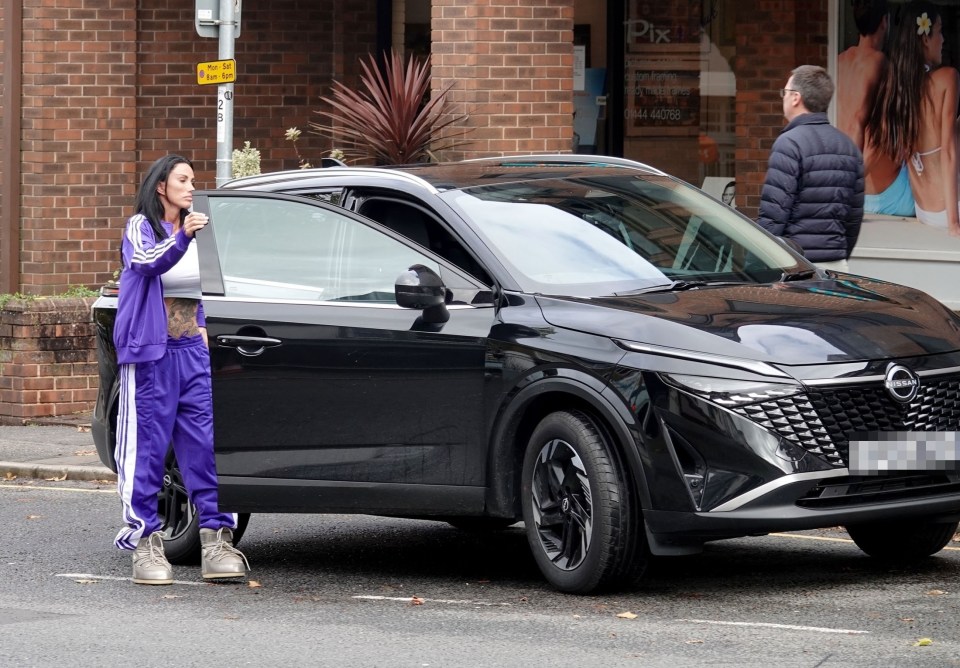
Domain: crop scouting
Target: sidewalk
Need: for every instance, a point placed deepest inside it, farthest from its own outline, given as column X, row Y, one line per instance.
column 52, row 448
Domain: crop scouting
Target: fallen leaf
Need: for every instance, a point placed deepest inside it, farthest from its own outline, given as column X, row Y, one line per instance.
column 627, row 615
column 937, row 592
column 694, row 642
column 86, row 582
column 56, row 478
column 416, row 600
column 923, row 642
column 83, row 428
column 34, row 517
column 907, row 619
column 9, row 475
column 253, row 584
column 84, row 453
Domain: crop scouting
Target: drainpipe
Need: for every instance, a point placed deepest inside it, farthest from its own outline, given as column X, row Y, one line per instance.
column 10, row 167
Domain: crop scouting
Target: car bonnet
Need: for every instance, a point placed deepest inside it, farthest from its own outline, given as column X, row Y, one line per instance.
column 804, row 322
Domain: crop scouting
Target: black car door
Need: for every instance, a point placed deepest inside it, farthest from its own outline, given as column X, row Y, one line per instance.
column 327, row 395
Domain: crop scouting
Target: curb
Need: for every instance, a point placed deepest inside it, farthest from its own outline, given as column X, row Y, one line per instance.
column 45, row 471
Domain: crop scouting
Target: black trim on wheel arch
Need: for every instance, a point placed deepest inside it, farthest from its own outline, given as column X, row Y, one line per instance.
column 500, row 494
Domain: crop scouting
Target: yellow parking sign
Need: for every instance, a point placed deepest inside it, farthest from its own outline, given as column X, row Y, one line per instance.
column 217, row 72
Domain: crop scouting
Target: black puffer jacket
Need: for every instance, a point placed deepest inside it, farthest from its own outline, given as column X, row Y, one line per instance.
column 813, row 193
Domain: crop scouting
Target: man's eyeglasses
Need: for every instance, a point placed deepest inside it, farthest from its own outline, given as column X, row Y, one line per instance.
column 784, row 91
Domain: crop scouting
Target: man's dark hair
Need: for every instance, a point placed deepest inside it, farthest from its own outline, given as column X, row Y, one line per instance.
column 868, row 14
column 815, row 87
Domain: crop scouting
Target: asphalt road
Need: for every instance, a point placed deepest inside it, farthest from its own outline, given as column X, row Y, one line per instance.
column 359, row 591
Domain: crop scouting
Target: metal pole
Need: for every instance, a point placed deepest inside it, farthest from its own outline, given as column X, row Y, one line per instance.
column 225, row 96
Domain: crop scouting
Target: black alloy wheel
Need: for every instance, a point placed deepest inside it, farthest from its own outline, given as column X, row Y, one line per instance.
column 577, row 507
column 179, row 521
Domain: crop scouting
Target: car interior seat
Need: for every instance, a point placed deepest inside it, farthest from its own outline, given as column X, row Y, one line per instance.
column 400, row 218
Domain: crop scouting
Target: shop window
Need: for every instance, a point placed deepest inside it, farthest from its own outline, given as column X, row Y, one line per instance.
column 680, row 89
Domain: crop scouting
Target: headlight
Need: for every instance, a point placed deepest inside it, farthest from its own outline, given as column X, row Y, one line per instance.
column 727, row 392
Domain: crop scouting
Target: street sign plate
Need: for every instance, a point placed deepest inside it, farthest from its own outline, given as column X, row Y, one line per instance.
column 217, row 72
column 207, row 19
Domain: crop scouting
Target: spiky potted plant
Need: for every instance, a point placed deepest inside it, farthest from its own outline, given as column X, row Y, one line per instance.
column 390, row 118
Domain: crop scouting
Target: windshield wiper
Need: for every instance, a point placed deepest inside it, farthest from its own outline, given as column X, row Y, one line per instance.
column 673, row 286
column 797, row 275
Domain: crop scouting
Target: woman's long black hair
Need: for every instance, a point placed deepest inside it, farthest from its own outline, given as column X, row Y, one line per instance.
column 148, row 200
column 894, row 121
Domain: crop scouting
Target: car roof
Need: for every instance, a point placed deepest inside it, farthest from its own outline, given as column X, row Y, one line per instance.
column 436, row 177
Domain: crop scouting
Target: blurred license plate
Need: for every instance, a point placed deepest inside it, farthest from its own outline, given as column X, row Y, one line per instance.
column 882, row 452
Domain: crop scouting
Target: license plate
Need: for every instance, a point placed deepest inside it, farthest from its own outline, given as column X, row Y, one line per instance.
column 882, row 452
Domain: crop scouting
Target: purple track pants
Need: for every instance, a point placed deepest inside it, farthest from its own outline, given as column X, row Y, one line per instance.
column 163, row 401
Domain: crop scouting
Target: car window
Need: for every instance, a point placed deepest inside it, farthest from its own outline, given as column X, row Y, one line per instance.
column 595, row 236
column 423, row 228
column 278, row 249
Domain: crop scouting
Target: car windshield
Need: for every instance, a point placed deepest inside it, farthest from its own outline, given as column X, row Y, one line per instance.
column 618, row 235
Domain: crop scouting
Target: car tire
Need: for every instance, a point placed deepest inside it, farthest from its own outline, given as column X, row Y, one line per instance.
column 578, row 509
column 179, row 521
column 902, row 541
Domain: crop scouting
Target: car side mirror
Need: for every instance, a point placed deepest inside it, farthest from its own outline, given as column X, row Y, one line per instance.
column 421, row 288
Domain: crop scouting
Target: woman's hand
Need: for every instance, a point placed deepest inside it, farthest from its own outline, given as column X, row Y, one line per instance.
column 193, row 222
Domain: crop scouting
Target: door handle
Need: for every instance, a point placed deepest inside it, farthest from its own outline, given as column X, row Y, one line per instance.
column 249, row 346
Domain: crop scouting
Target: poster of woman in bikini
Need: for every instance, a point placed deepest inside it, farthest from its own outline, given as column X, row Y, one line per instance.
column 898, row 101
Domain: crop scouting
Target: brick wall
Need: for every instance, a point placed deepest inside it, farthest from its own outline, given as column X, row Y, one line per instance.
column 3, row 92
column 511, row 64
column 78, row 139
column 773, row 37
column 288, row 53
column 48, row 361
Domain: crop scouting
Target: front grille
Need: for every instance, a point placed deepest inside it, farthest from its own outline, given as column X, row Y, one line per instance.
column 822, row 421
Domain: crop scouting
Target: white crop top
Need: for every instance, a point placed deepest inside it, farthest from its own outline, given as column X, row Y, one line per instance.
column 183, row 278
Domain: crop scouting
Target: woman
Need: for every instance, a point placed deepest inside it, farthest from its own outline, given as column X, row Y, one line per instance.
column 164, row 371
column 915, row 115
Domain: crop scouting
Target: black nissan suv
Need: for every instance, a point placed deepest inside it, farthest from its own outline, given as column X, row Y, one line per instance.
column 583, row 343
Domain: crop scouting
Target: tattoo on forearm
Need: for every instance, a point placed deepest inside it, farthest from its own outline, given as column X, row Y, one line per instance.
column 182, row 317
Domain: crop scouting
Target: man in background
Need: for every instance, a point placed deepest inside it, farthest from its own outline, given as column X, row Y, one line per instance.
column 813, row 192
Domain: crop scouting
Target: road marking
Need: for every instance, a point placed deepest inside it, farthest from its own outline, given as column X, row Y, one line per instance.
column 802, row 537
column 409, row 599
column 112, row 490
column 833, row 540
column 90, row 576
column 766, row 625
